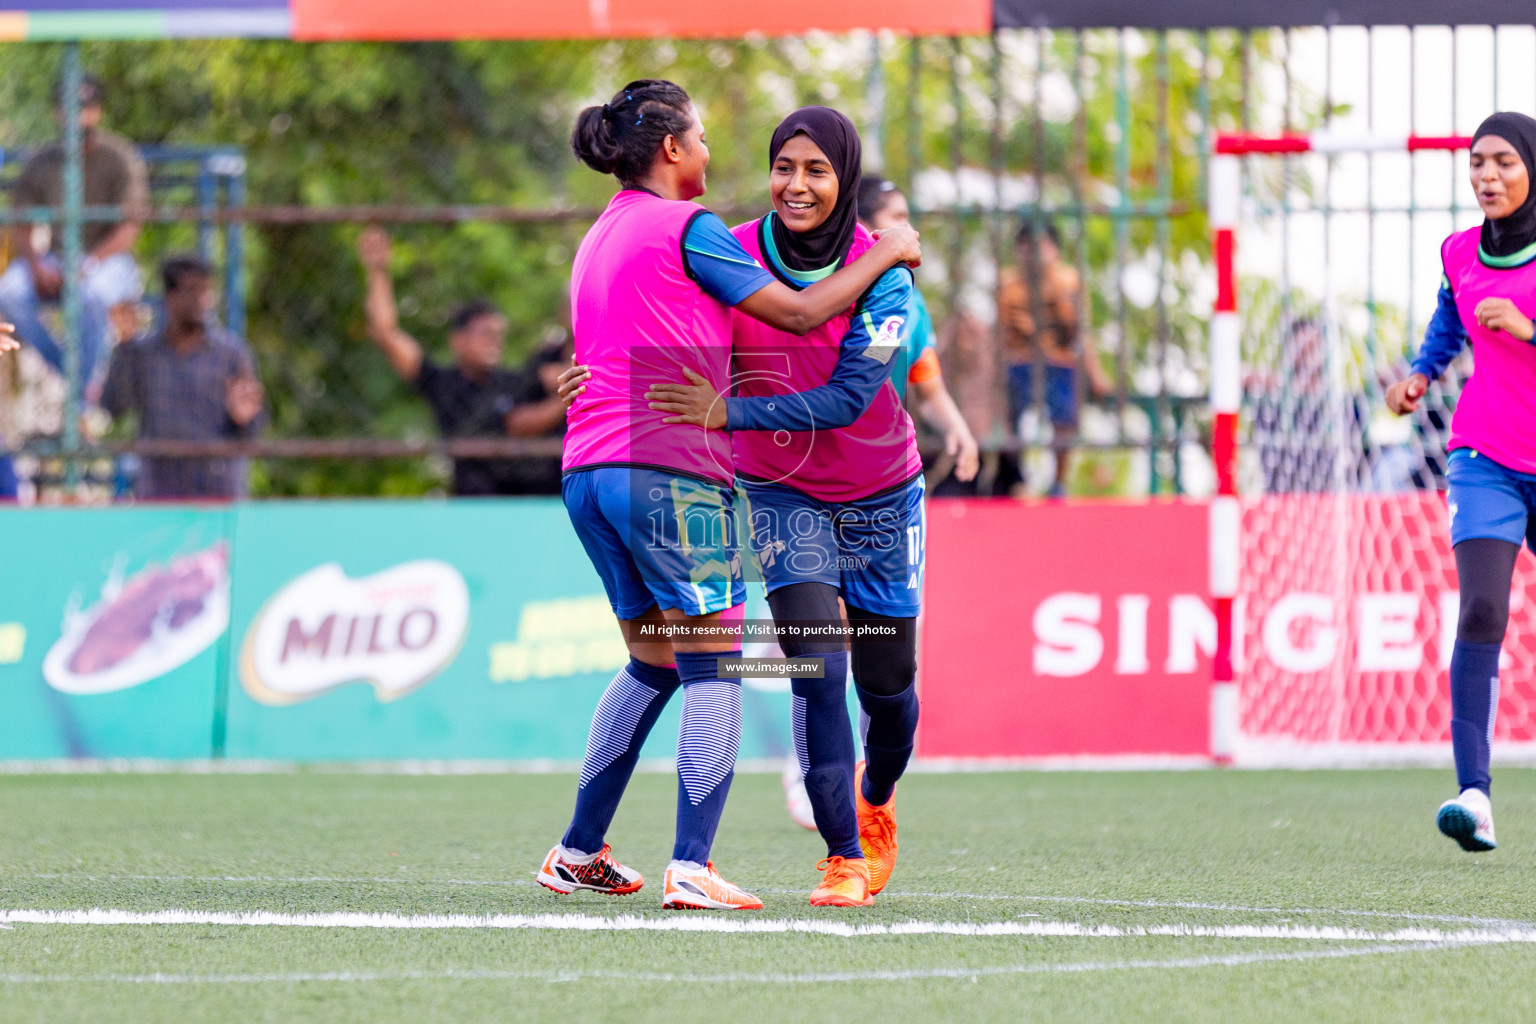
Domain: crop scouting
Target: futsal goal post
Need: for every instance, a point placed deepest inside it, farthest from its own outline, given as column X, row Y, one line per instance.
column 1331, row 574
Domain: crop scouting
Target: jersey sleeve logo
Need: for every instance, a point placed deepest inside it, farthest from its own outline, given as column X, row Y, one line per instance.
column 885, row 341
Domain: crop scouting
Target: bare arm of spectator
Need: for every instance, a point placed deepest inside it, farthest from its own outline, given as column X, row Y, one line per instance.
column 118, row 394
column 1070, row 296
column 536, row 419
column 8, row 342
column 48, row 282
column 402, row 350
column 243, row 401
column 1100, row 384
column 244, row 398
column 135, row 202
column 943, row 415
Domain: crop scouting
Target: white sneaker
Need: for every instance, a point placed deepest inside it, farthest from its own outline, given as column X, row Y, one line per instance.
column 796, row 799
column 1468, row 819
column 690, row 887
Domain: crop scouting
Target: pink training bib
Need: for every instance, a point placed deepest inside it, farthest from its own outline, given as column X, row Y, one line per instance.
column 1496, row 413
column 639, row 319
column 875, row 452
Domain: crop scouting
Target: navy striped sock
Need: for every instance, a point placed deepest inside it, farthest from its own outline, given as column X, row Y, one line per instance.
column 1474, row 702
column 623, row 720
column 708, row 740
column 824, row 745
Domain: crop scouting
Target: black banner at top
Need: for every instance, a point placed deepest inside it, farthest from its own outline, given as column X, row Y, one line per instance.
column 1255, row 13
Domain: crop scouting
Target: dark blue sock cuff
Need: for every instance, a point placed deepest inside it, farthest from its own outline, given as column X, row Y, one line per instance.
column 835, row 678
column 657, row 677
column 1479, row 648
column 701, row 667
column 891, row 700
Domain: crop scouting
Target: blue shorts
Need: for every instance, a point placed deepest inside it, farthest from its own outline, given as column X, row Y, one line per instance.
column 871, row 549
column 1489, row 500
column 1060, row 392
column 657, row 538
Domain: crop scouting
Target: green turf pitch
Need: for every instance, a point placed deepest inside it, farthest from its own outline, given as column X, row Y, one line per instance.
column 1216, row 851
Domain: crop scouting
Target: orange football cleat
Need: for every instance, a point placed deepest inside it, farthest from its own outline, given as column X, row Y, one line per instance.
column 877, row 833
column 844, row 884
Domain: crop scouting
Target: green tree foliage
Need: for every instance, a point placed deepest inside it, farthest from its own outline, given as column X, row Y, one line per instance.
column 488, row 123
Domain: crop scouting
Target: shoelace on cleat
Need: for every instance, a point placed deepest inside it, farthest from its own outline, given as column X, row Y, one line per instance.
column 877, row 826
column 838, row 870
column 602, row 870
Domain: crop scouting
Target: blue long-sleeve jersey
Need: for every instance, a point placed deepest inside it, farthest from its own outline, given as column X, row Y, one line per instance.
column 881, row 320
column 1444, row 338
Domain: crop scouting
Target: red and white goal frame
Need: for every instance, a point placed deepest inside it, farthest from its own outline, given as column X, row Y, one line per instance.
column 1350, row 724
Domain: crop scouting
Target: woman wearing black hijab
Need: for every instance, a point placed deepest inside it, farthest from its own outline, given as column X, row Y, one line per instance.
column 837, row 499
column 1487, row 299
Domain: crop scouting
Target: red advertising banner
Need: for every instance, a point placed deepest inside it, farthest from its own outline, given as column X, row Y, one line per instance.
column 1066, row 629
column 1056, row 630
column 581, row 19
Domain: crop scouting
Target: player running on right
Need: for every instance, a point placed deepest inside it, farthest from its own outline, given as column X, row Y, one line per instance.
column 652, row 289
column 1487, row 297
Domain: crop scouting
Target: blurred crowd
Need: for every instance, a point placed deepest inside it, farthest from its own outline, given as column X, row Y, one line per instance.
column 157, row 361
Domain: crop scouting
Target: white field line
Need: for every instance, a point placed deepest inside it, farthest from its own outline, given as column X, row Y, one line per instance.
column 1235, row 908
column 839, row 977
column 758, row 926
column 552, row 766
column 282, row 880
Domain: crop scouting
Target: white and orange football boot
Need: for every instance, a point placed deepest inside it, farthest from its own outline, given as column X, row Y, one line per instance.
column 844, row 884
column 701, row 888
column 564, row 873
column 877, row 833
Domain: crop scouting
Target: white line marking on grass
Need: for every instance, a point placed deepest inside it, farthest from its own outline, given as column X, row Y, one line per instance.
column 280, row 880
column 840, row 977
column 755, row 926
column 1401, row 915
column 1398, row 915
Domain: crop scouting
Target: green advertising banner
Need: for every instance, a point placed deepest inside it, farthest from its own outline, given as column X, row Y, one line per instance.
column 111, row 631
column 315, row 631
column 386, row 630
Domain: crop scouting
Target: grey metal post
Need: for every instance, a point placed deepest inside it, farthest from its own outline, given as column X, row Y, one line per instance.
column 74, row 202
column 874, row 102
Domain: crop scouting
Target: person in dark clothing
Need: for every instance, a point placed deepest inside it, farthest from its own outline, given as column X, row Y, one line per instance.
column 541, row 382
column 188, row 380
column 475, row 396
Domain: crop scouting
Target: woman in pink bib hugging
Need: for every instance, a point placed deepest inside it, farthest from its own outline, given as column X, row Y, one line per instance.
column 827, row 458
column 653, row 287
column 1487, row 299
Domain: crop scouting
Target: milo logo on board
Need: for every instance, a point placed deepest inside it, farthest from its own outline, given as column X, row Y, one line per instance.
column 394, row 630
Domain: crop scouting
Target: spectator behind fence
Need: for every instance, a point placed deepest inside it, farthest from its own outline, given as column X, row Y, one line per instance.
column 113, row 175
column 188, row 380
column 541, row 376
column 882, row 205
column 476, row 396
column 1061, row 346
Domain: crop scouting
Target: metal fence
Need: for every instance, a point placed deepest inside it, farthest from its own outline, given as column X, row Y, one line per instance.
column 1101, row 133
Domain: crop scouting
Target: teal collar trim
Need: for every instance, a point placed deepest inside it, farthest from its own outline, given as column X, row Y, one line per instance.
column 801, row 277
column 1514, row 259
